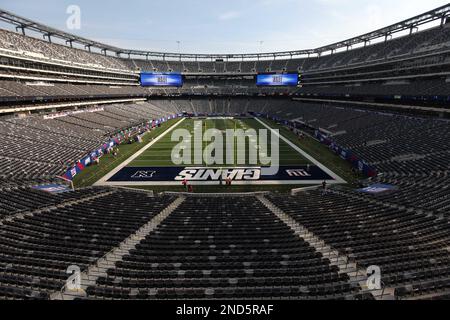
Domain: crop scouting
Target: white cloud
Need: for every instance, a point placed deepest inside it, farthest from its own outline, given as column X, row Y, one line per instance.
column 229, row 15
column 235, row 26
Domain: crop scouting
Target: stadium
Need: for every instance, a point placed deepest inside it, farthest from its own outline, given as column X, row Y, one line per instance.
column 316, row 174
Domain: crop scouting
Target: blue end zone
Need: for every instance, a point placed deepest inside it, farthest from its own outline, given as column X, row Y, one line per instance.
column 289, row 174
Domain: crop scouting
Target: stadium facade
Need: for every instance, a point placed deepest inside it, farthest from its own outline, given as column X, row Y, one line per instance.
column 379, row 101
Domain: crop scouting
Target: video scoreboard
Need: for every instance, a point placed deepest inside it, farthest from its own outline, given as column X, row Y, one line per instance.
column 151, row 79
column 278, row 79
column 170, row 79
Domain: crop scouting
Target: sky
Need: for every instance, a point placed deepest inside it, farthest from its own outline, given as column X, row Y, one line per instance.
column 212, row 26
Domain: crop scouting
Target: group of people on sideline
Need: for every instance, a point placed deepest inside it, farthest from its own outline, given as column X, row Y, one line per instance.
column 189, row 187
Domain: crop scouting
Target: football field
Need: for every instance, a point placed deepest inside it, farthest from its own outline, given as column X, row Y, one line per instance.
column 159, row 155
column 157, row 163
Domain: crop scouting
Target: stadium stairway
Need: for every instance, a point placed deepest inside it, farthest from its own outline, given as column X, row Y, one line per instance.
column 100, row 267
column 38, row 246
column 411, row 247
column 133, row 245
column 193, row 254
column 345, row 264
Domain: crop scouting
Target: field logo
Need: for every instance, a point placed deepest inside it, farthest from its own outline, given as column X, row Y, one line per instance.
column 143, row 174
column 73, row 22
column 216, row 148
column 374, row 278
column 214, row 174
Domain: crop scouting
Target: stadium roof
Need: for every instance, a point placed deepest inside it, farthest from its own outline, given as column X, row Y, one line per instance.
column 23, row 24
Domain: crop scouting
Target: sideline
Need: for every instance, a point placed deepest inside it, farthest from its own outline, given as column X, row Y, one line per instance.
column 103, row 181
column 337, row 179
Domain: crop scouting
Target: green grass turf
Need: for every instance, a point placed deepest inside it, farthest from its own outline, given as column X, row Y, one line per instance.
column 321, row 153
column 159, row 155
column 93, row 173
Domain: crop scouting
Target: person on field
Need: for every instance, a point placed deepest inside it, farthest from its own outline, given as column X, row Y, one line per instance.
column 324, row 187
column 185, row 184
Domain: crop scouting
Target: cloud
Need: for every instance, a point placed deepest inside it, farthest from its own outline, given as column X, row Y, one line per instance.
column 229, row 15
column 234, row 26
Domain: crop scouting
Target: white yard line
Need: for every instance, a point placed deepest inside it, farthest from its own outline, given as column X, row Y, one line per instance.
column 104, row 181
column 337, row 179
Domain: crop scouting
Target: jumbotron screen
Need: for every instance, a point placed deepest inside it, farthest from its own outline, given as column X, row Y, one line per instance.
column 285, row 79
column 161, row 80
